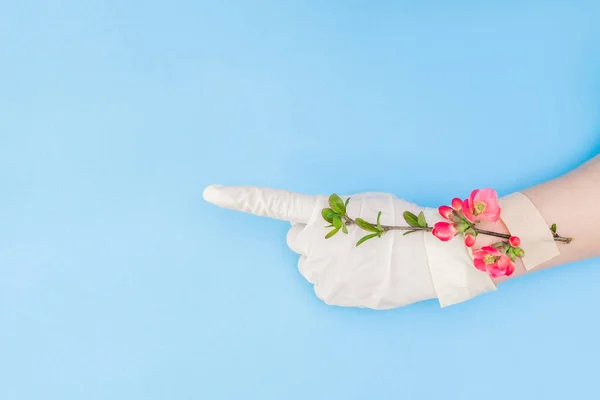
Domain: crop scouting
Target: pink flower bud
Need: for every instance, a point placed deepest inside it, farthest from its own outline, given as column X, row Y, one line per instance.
column 469, row 240
column 445, row 211
column 457, row 204
column 444, row 231
column 514, row 241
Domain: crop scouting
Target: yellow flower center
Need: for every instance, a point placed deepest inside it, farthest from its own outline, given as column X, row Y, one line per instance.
column 479, row 207
column 489, row 259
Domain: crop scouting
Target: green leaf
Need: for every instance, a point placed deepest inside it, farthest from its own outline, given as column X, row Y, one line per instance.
column 346, row 202
column 411, row 219
column 407, row 232
column 337, row 204
column 337, row 221
column 327, row 214
column 345, row 229
column 365, row 238
column 331, row 233
column 329, row 226
column 379, row 221
column 553, row 228
column 421, row 220
column 366, row 225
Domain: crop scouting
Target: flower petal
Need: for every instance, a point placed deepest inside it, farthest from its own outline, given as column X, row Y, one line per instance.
column 494, row 217
column 479, row 264
column 510, row 269
column 484, row 195
column 472, row 200
column 494, row 271
column 467, row 211
column 491, row 250
column 492, row 206
column 479, row 253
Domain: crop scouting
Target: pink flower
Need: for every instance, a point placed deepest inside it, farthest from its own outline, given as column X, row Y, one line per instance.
column 445, row 211
column 444, row 231
column 469, row 240
column 457, row 204
column 482, row 204
column 495, row 263
column 514, row 241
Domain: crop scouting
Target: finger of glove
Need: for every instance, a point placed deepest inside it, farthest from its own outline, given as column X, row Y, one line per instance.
column 292, row 239
column 266, row 202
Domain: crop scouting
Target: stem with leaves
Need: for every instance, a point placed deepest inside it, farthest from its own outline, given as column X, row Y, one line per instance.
column 336, row 215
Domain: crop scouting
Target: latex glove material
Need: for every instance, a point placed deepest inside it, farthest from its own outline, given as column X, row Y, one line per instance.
column 393, row 271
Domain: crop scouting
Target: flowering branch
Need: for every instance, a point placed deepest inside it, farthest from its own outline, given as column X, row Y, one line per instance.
column 464, row 215
column 557, row 238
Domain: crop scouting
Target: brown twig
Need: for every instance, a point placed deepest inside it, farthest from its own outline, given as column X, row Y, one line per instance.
column 386, row 228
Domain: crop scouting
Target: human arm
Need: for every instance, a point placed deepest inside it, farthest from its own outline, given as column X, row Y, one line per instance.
column 396, row 270
column 570, row 202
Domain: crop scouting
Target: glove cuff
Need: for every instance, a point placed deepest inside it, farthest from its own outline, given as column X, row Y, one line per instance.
column 454, row 277
column 523, row 219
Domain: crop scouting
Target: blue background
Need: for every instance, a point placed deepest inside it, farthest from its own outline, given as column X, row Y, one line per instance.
column 118, row 282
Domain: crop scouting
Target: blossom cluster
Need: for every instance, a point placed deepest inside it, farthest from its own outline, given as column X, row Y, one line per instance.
column 463, row 216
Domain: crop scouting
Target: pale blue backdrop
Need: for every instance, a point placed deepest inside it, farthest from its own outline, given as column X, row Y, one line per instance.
column 118, row 282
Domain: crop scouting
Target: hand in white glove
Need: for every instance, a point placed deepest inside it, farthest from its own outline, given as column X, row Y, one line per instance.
column 382, row 273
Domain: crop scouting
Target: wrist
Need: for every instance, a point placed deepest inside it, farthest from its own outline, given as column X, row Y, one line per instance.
column 450, row 263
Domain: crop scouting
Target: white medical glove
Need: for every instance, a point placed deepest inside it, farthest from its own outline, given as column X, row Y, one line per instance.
column 381, row 273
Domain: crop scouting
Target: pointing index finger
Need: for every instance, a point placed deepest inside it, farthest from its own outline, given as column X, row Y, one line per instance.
column 266, row 202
